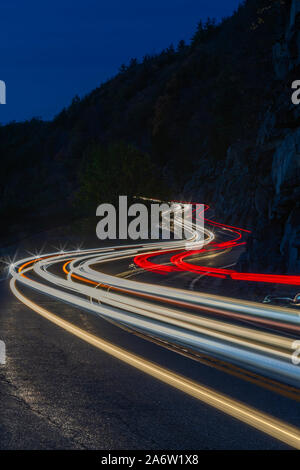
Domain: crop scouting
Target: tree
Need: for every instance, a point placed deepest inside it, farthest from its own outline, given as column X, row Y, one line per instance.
column 118, row 169
column 181, row 47
column 123, row 68
column 133, row 62
column 205, row 31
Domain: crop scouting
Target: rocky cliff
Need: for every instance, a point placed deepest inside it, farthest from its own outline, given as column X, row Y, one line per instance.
column 258, row 184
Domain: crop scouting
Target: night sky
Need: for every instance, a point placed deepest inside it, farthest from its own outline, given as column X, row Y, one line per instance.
column 53, row 50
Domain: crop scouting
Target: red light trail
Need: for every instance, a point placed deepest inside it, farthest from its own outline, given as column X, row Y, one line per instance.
column 178, row 263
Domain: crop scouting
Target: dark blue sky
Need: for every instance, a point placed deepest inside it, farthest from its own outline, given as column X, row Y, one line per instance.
column 53, row 50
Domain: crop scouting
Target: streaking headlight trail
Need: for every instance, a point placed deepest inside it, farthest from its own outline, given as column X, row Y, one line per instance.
column 204, row 323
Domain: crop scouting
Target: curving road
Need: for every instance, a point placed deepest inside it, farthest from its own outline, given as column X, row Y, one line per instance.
column 244, row 340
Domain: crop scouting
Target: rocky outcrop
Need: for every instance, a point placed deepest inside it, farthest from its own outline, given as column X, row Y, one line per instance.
column 280, row 131
column 286, row 51
column 259, row 185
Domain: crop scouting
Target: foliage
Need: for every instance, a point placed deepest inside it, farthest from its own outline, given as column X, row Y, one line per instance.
column 161, row 114
column 117, row 169
column 205, row 31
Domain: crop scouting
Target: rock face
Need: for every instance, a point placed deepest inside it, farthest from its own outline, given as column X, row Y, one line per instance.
column 280, row 132
column 259, row 185
column 285, row 52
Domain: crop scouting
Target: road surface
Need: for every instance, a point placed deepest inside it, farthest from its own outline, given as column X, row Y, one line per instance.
column 126, row 364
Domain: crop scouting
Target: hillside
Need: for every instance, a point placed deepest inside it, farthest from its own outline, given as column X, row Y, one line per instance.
column 211, row 120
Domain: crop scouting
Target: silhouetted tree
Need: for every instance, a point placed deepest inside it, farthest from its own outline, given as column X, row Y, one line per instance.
column 181, row 47
column 204, row 31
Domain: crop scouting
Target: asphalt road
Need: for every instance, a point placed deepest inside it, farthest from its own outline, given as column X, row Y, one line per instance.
column 58, row 392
